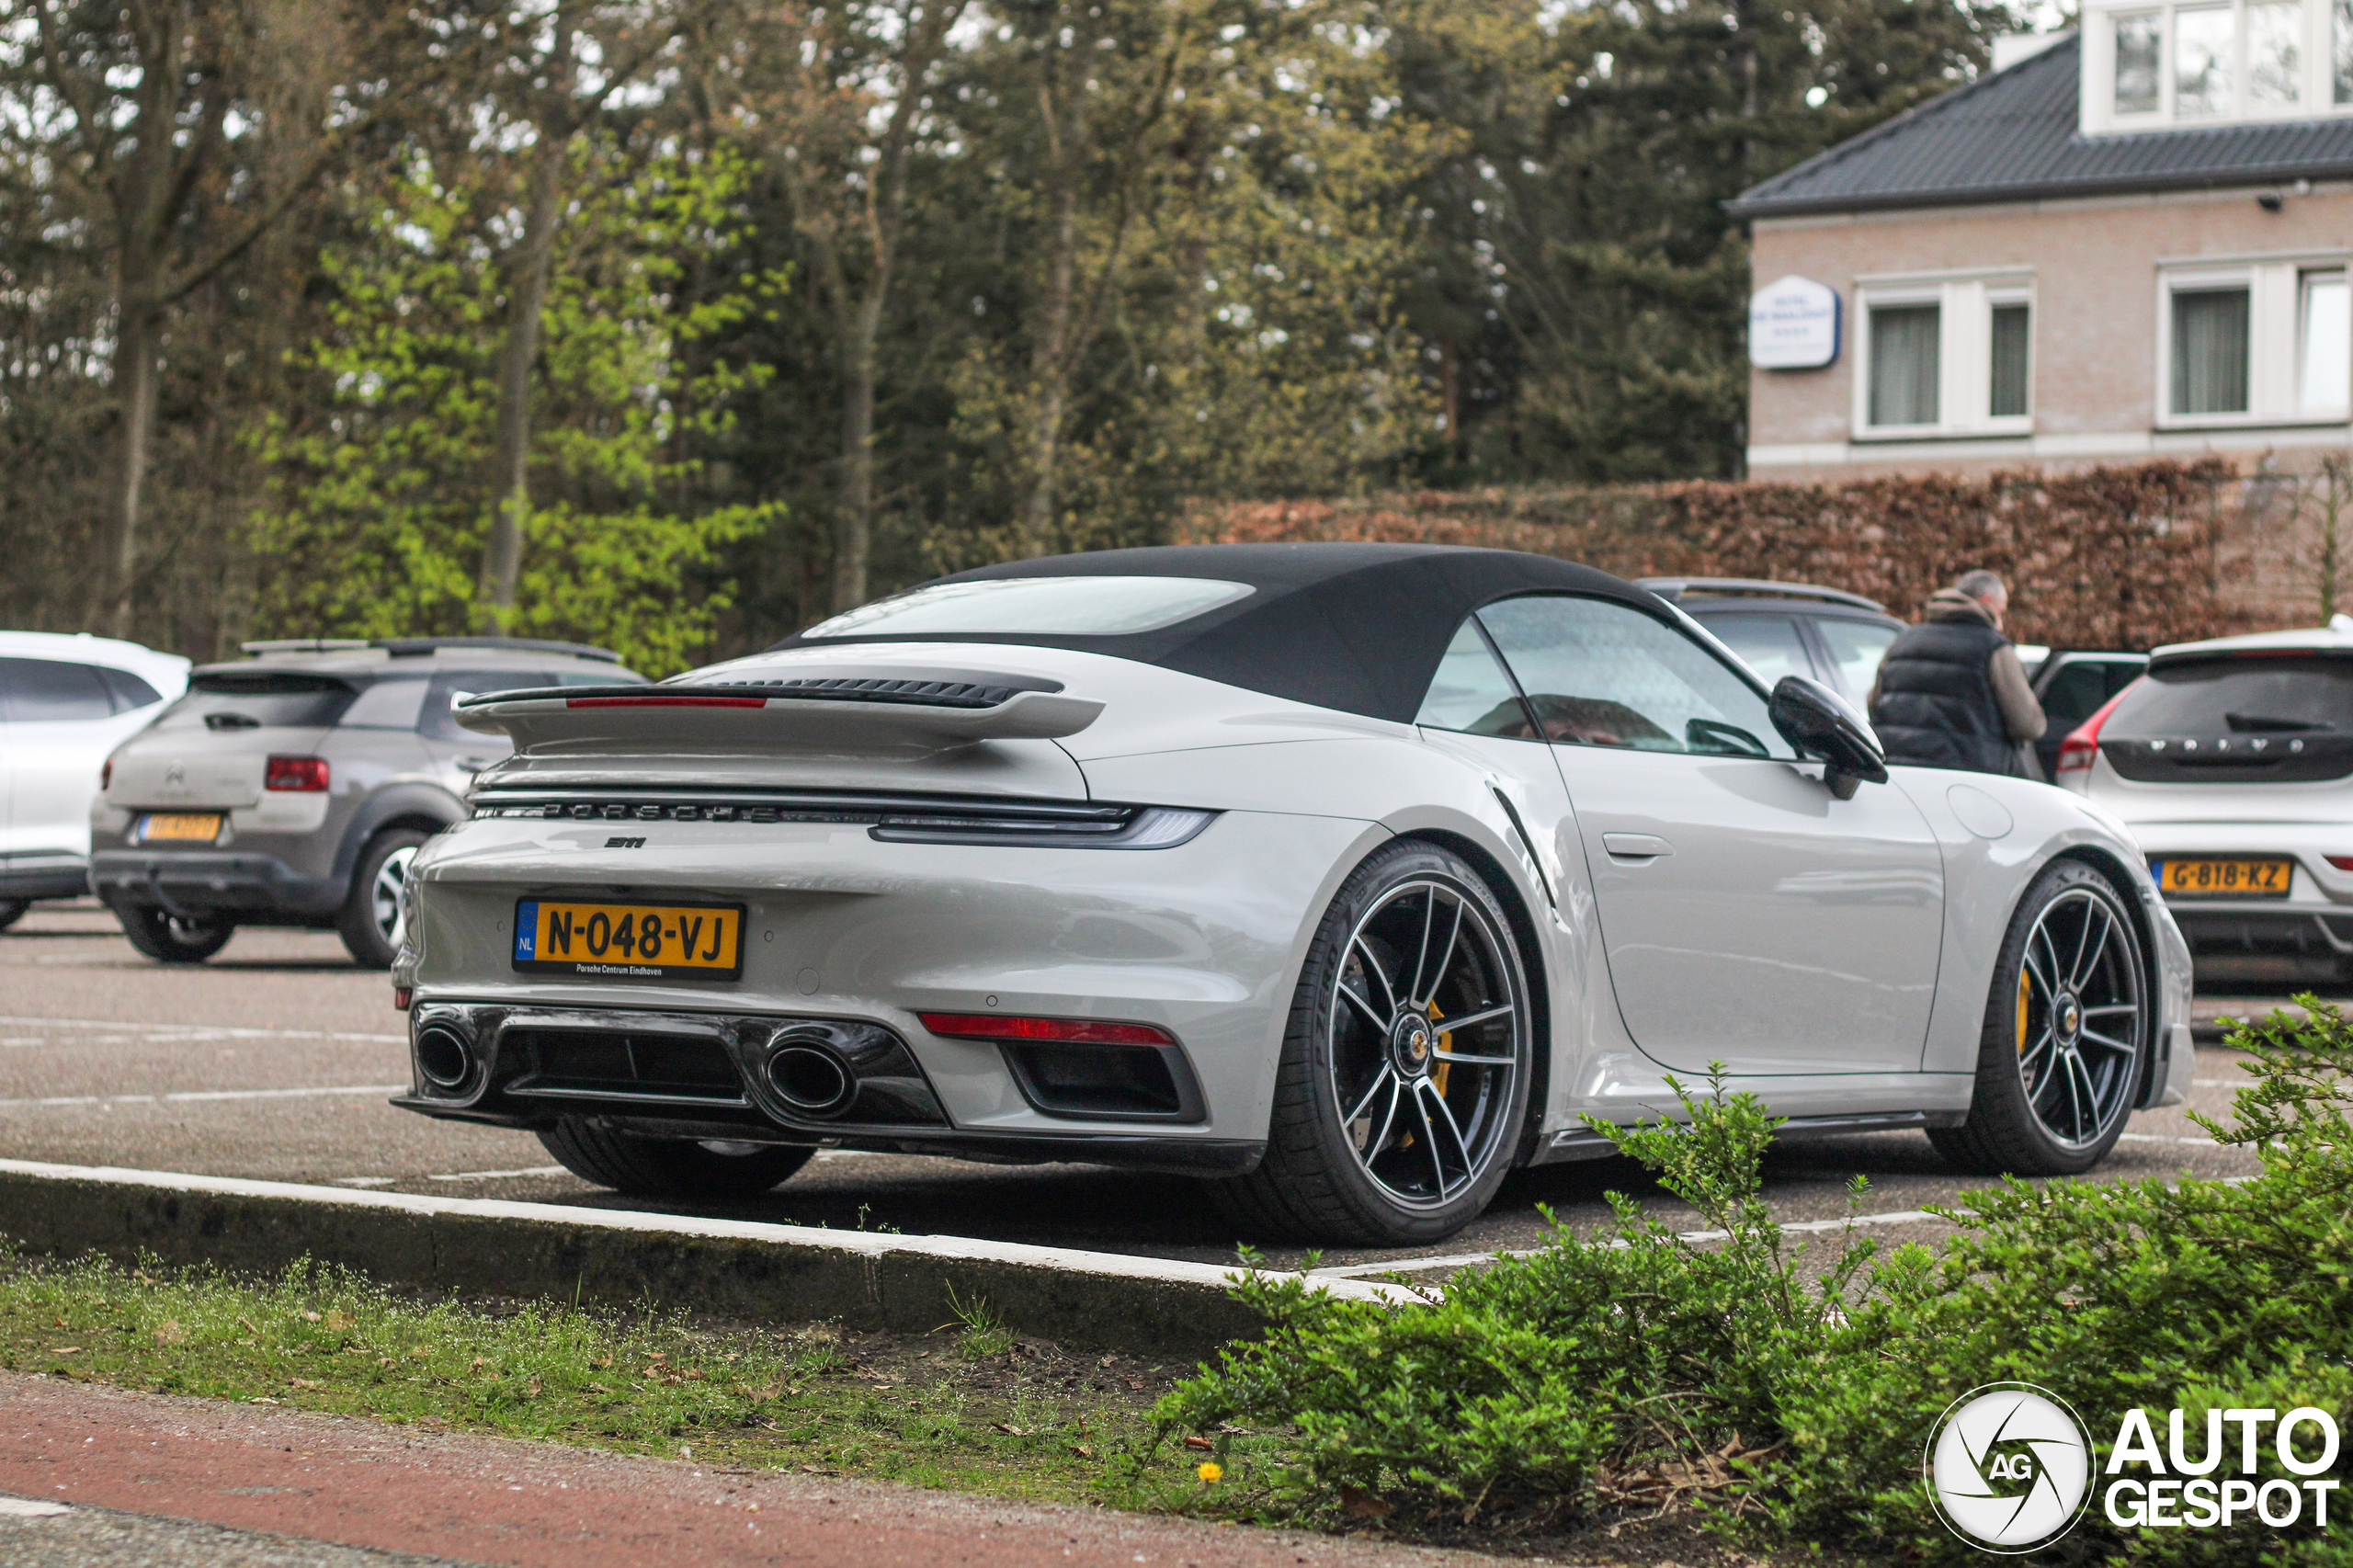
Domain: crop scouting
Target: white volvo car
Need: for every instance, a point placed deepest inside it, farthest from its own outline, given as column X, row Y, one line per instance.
column 65, row 703
column 2231, row 760
column 1344, row 877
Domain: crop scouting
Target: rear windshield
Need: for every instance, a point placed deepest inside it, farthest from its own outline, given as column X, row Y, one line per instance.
column 272, row 700
column 2259, row 696
column 1068, row 607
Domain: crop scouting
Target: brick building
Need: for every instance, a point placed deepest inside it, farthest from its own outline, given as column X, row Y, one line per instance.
column 2126, row 241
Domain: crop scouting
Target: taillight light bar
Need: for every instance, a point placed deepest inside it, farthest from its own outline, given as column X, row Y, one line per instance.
column 1066, row 1031
column 665, row 702
column 2081, row 749
column 297, row 775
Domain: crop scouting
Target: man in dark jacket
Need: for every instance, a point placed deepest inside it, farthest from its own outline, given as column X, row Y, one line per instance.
column 1951, row 692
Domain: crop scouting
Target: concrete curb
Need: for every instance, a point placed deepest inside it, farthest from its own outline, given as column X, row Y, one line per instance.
column 728, row 1268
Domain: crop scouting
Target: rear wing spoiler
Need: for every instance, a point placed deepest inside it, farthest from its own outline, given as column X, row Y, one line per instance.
column 894, row 709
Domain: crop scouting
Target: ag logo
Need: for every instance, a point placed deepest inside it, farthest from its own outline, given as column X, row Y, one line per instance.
column 2008, row 1468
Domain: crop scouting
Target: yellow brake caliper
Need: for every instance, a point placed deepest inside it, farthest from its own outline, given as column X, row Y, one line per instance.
column 2022, row 1000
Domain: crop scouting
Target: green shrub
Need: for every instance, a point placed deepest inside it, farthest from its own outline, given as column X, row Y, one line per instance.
column 1633, row 1364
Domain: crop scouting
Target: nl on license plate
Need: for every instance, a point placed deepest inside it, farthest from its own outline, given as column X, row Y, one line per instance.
column 2266, row 878
column 200, row 828
column 629, row 941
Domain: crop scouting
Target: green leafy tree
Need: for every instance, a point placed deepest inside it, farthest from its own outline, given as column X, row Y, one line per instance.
column 384, row 494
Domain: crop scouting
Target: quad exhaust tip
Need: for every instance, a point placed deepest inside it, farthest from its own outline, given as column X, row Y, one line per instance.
column 812, row 1079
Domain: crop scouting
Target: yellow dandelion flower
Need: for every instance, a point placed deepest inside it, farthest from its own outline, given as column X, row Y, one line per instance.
column 1210, row 1471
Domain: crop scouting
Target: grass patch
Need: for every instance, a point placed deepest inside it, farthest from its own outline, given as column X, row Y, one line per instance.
column 1631, row 1374
column 975, row 1409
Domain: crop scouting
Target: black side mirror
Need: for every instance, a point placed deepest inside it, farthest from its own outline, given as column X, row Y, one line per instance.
column 1825, row 726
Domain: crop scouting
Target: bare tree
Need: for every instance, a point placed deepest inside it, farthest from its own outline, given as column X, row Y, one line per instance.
column 188, row 127
column 1088, row 146
column 847, row 86
column 565, row 65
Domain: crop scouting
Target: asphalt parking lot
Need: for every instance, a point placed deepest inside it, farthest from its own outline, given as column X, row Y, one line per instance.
column 274, row 1060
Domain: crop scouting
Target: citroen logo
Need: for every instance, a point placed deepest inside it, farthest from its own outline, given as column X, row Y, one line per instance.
column 176, row 772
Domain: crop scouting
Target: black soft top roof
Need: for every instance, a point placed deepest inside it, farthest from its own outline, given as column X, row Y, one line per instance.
column 1355, row 627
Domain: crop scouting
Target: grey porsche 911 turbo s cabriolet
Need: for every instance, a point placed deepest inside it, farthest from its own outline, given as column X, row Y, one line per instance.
column 1343, row 877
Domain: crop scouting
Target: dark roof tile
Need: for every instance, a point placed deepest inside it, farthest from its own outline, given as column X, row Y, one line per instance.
column 2011, row 136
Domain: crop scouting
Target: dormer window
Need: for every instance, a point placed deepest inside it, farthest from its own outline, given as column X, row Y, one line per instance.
column 2215, row 60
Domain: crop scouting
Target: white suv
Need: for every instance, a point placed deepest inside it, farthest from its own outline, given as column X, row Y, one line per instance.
column 65, row 704
column 2231, row 760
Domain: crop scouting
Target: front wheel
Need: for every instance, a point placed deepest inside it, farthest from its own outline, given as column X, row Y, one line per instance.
column 167, row 938
column 669, row 1167
column 1403, row 1081
column 370, row 922
column 11, row 911
column 2067, row 1036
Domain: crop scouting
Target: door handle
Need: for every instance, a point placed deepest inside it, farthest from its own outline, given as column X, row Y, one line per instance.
column 1636, row 845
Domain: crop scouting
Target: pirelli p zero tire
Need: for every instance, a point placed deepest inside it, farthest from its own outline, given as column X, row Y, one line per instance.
column 1403, row 1082
column 669, row 1167
column 2067, row 1034
column 370, row 924
column 167, row 938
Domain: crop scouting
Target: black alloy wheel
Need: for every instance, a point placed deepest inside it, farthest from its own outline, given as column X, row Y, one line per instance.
column 676, row 1169
column 172, row 938
column 2068, row 1031
column 1404, row 1078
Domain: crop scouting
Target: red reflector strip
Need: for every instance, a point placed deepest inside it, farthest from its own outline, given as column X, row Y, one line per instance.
column 665, row 702
column 1072, row 1031
column 2342, row 862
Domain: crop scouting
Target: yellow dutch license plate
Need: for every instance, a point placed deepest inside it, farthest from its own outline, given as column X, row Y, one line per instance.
column 2266, row 878
column 187, row 827
column 629, row 941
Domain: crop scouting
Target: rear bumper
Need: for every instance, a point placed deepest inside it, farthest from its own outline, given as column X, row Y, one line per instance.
column 212, row 880
column 44, row 874
column 711, row 1076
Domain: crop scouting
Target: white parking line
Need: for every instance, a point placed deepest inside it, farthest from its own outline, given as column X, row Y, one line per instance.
column 187, row 1031
column 30, row 1508
column 2160, row 1138
column 1464, row 1260
column 187, row 1096
column 493, row 1176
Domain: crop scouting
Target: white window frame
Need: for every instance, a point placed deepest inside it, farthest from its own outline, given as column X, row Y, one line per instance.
column 1964, row 304
column 2275, row 332
column 2097, row 113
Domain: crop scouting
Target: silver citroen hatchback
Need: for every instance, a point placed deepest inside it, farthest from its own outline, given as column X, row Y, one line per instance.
column 293, row 787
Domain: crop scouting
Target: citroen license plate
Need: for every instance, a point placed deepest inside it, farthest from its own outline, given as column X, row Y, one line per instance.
column 2267, row 877
column 183, row 827
column 629, row 941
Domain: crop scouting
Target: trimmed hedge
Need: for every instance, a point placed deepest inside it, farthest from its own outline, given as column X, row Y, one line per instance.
column 2103, row 558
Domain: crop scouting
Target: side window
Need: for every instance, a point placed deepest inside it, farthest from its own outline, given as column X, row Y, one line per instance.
column 1470, row 693
column 2075, row 692
column 1602, row 674
column 1769, row 644
column 128, row 690
column 392, row 704
column 1856, row 647
column 49, row 690
column 441, row 725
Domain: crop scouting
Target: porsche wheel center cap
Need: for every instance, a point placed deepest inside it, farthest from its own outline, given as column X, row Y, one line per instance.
column 1411, row 1040
column 2070, row 1015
